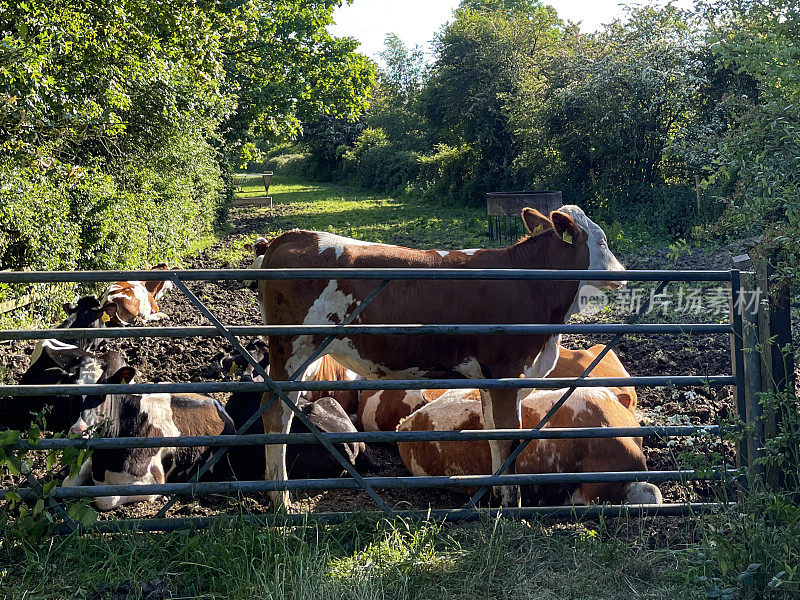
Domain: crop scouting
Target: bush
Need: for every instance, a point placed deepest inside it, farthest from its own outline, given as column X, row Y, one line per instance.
column 59, row 217
column 450, row 175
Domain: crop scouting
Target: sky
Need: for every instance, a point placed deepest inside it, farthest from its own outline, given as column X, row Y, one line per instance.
column 416, row 21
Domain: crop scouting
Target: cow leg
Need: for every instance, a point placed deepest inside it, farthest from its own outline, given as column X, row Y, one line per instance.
column 82, row 477
column 277, row 419
column 501, row 410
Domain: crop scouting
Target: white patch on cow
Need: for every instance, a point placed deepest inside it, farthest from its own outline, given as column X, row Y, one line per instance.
column 56, row 345
column 164, row 289
column 641, row 492
column 83, row 475
column 577, row 498
column 413, row 399
column 327, row 240
column 371, row 400
column 443, row 253
column 600, row 256
column 544, row 362
column 470, row 368
column 158, row 408
column 470, row 251
column 258, row 261
column 106, row 503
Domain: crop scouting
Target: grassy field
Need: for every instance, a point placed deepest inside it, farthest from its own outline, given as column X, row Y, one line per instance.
column 366, row 215
column 700, row 557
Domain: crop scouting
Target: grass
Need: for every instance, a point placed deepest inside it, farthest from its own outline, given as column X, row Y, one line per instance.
column 356, row 559
column 365, row 215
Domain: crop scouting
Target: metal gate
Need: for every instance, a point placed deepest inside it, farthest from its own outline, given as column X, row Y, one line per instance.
column 733, row 328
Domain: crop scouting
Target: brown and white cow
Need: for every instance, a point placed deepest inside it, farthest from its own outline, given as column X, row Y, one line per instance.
column 568, row 239
column 326, row 368
column 259, row 248
column 586, row 407
column 137, row 300
column 382, row 410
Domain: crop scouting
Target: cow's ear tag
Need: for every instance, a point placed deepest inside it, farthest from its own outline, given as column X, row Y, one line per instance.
column 105, row 318
column 126, row 379
column 538, row 229
column 567, row 237
column 232, row 369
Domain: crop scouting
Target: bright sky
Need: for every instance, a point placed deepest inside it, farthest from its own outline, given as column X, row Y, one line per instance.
column 416, row 21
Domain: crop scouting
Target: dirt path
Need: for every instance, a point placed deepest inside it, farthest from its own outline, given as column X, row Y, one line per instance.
column 177, row 360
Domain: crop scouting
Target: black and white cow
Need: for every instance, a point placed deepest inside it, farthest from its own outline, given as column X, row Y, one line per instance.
column 87, row 313
column 55, row 362
column 148, row 415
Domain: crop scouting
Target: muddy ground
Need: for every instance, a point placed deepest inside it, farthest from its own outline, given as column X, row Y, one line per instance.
column 177, row 360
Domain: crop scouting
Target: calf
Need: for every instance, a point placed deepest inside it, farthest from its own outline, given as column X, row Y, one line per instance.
column 148, row 415
column 259, row 249
column 384, row 409
column 138, row 300
column 586, row 407
column 55, row 362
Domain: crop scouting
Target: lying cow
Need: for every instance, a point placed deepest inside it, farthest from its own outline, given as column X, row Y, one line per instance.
column 259, row 249
column 326, row 368
column 383, row 410
column 566, row 240
column 586, row 407
column 138, row 300
column 148, row 415
column 54, row 362
column 303, row 460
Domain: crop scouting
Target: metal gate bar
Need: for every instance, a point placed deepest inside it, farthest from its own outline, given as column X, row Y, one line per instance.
column 458, row 515
column 339, row 330
column 372, row 437
column 231, row 487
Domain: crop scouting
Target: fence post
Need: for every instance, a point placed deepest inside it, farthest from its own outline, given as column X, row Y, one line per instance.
column 777, row 368
column 752, row 365
column 737, row 364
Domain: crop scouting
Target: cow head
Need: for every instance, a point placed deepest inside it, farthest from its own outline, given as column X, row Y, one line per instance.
column 565, row 219
column 259, row 249
column 87, row 313
column 97, row 407
column 158, row 288
column 236, row 363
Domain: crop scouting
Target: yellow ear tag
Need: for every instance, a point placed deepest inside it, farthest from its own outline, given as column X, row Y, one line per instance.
column 105, row 318
column 538, row 229
column 233, row 369
column 567, row 237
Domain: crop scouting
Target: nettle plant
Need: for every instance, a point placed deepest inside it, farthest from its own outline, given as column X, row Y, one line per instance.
column 23, row 519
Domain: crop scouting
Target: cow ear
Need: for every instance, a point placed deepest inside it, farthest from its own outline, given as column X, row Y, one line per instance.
column 123, row 375
column 624, row 399
column 248, row 246
column 565, row 226
column 534, row 221
column 69, row 308
column 147, row 265
column 109, row 309
column 161, row 265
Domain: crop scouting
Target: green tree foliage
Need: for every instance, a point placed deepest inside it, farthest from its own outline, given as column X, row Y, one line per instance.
column 761, row 149
column 117, row 119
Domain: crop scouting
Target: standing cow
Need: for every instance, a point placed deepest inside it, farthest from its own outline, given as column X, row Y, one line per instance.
column 568, row 239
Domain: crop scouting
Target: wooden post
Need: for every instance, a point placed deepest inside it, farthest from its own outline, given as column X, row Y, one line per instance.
column 752, row 365
column 777, row 370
